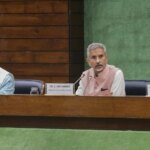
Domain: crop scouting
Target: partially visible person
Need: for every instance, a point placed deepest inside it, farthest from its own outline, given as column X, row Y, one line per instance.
column 101, row 79
column 7, row 83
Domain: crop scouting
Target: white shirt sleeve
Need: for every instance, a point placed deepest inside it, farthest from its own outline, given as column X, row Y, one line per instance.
column 7, row 87
column 79, row 91
column 118, row 86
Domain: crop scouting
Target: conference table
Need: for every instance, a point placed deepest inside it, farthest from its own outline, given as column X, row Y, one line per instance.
column 75, row 112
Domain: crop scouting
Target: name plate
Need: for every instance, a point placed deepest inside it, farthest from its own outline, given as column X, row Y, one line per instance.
column 59, row 89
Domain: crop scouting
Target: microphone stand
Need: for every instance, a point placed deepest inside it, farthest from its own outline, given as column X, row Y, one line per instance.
column 74, row 84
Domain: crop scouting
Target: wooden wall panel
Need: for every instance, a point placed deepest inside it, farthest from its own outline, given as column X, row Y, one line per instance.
column 34, row 39
column 34, row 45
column 33, row 19
column 34, row 6
column 34, row 32
column 42, row 34
column 33, row 69
column 52, row 79
column 34, row 57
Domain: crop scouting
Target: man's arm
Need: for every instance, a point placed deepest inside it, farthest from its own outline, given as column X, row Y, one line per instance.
column 118, row 86
column 8, row 85
column 79, row 91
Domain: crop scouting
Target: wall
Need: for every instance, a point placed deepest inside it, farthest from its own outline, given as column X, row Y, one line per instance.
column 34, row 39
column 124, row 27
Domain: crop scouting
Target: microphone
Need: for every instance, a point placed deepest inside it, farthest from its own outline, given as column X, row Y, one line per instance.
column 74, row 84
column 78, row 79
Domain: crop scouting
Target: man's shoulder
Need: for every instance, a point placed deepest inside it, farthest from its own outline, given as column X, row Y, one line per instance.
column 115, row 68
column 3, row 71
column 118, row 72
column 3, row 74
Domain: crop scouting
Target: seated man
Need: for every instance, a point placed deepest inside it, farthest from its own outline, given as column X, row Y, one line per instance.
column 101, row 79
column 7, row 83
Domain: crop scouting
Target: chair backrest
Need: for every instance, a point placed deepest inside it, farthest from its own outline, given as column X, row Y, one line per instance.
column 23, row 86
column 136, row 87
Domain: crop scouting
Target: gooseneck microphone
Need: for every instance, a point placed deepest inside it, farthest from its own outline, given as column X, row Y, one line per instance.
column 74, row 84
column 78, row 79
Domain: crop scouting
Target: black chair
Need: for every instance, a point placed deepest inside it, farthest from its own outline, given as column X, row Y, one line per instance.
column 136, row 87
column 24, row 86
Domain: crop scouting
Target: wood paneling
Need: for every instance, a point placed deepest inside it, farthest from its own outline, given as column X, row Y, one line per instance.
column 47, row 79
column 33, row 19
column 34, row 39
column 39, row 69
column 34, row 32
column 34, row 45
column 42, row 38
column 34, row 6
column 36, row 57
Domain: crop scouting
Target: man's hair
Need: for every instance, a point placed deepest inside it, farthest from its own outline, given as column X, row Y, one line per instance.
column 93, row 46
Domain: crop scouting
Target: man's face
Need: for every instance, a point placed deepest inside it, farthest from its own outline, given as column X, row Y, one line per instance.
column 97, row 59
